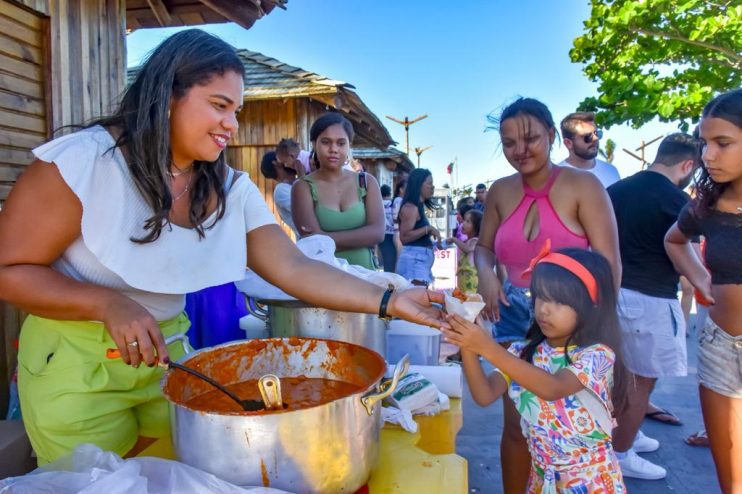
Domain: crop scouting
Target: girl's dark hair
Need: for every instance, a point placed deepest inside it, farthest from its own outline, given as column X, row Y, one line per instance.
column 398, row 188
column 414, row 186
column 595, row 323
column 325, row 121
column 186, row 59
column 727, row 106
column 476, row 219
column 287, row 144
column 523, row 106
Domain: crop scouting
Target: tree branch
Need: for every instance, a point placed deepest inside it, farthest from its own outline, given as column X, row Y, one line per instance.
column 734, row 58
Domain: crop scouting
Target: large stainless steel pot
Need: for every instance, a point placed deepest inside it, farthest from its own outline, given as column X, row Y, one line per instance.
column 286, row 318
column 329, row 448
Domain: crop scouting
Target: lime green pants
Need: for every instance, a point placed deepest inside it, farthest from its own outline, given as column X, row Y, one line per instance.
column 71, row 393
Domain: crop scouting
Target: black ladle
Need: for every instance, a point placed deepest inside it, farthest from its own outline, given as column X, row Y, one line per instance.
column 247, row 405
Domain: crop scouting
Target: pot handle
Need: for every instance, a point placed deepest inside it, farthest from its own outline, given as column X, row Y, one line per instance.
column 183, row 338
column 387, row 387
column 254, row 309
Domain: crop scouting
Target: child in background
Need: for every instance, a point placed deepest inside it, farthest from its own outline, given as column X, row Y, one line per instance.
column 466, row 274
column 292, row 156
column 564, row 378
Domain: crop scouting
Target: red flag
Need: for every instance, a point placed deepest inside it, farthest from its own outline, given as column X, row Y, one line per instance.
column 449, row 170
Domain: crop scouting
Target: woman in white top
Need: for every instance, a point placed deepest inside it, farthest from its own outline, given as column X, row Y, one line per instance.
column 110, row 227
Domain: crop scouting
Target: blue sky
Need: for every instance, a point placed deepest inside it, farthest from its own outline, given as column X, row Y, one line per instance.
column 455, row 61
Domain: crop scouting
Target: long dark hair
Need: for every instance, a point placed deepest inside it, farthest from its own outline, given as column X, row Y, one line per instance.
column 476, row 220
column 595, row 323
column 322, row 123
column 414, row 186
column 183, row 60
column 398, row 188
column 727, row 106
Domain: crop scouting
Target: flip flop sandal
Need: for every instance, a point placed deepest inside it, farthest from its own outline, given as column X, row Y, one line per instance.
column 671, row 420
column 699, row 439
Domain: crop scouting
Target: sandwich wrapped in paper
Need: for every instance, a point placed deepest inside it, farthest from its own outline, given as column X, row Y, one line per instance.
column 466, row 305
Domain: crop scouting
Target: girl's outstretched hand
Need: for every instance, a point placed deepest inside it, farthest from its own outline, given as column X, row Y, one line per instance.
column 468, row 335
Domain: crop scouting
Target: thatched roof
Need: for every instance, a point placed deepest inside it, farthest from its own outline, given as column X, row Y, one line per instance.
column 268, row 78
column 403, row 161
column 169, row 13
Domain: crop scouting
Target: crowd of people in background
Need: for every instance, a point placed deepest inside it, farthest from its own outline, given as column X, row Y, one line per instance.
column 625, row 223
column 504, row 227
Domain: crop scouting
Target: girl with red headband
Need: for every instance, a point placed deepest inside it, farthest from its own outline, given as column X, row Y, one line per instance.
column 565, row 379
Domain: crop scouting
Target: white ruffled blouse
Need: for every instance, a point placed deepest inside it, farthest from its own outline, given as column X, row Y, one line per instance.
column 156, row 274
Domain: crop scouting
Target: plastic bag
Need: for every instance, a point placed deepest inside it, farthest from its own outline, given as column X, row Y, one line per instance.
column 413, row 392
column 402, row 418
column 90, row 470
column 319, row 248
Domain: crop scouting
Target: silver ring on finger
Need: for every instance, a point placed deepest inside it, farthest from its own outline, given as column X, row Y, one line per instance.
column 133, row 344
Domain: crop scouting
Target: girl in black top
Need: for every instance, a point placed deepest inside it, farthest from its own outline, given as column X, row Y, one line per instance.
column 716, row 214
column 415, row 232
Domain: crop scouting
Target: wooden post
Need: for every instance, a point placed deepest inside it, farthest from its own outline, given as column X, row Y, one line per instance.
column 406, row 123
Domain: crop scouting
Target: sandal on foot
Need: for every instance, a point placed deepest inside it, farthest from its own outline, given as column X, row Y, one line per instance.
column 664, row 416
column 698, row 439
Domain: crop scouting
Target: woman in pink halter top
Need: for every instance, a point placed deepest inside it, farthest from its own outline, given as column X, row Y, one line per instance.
column 538, row 203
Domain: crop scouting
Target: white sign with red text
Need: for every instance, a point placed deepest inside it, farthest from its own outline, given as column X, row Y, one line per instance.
column 444, row 269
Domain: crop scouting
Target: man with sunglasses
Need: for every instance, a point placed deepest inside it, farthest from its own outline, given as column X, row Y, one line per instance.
column 582, row 139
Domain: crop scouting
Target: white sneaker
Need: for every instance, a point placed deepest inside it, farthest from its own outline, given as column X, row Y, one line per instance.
column 645, row 444
column 634, row 466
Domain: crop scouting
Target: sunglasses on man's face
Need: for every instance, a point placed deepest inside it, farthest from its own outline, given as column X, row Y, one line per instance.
column 588, row 138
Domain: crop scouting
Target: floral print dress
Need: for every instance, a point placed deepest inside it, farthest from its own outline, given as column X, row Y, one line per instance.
column 570, row 448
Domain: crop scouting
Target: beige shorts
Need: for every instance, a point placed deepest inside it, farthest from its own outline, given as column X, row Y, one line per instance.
column 653, row 333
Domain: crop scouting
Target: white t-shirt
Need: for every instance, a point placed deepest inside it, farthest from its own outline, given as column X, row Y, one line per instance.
column 156, row 274
column 606, row 172
column 282, row 200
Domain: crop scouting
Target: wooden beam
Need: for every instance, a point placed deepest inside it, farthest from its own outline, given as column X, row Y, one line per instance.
column 161, row 13
column 244, row 13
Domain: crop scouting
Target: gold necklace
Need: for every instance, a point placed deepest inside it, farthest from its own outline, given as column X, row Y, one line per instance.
column 188, row 185
column 180, row 171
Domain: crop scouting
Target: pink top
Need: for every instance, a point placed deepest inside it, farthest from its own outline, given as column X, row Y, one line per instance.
column 514, row 251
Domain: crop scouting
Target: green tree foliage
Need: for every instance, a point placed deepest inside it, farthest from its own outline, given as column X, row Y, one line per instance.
column 663, row 58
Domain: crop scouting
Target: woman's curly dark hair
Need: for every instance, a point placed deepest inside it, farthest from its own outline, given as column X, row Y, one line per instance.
column 727, row 106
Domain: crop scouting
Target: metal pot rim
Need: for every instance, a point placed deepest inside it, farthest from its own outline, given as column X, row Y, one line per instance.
column 357, row 395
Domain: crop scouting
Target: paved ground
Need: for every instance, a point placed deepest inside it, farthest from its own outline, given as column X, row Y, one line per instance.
column 690, row 469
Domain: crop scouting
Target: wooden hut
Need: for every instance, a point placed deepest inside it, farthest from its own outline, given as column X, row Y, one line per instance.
column 283, row 101
column 387, row 165
column 63, row 62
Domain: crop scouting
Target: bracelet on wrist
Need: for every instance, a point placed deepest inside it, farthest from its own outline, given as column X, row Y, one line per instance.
column 383, row 305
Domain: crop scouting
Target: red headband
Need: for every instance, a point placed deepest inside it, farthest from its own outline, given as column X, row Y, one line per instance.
column 568, row 263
